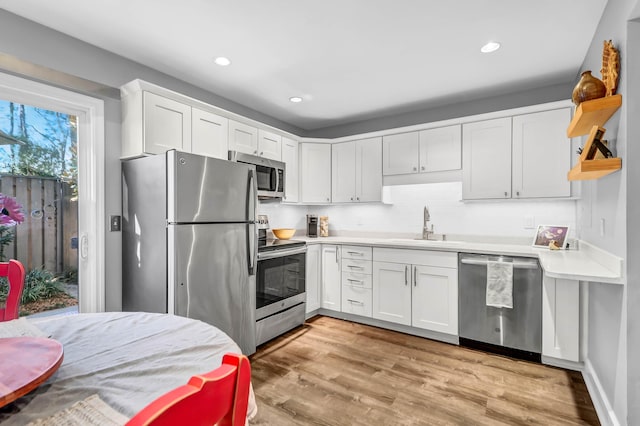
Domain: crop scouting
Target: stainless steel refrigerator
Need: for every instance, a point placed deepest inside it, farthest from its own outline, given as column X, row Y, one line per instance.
column 190, row 241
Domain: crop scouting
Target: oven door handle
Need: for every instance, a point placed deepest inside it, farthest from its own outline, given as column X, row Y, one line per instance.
column 273, row 254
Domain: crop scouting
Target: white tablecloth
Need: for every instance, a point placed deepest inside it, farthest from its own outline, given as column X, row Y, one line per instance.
column 128, row 359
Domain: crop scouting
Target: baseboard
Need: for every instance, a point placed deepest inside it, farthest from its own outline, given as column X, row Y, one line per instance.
column 562, row 363
column 603, row 407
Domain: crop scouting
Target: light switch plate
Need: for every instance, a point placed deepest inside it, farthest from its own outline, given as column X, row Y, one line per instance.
column 114, row 223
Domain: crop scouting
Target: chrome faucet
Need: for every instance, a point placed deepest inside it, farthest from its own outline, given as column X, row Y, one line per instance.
column 426, row 232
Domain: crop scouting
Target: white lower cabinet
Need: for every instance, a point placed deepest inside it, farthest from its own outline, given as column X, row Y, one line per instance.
column 313, row 277
column 392, row 292
column 356, row 280
column 434, row 299
column 416, row 288
column 561, row 318
column 331, row 277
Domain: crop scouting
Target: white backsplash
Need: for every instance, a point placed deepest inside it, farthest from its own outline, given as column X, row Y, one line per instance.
column 448, row 214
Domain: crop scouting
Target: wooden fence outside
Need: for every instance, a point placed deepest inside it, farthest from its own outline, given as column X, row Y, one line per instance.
column 46, row 237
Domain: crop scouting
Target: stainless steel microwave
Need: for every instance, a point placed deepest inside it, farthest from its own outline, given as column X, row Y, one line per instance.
column 269, row 174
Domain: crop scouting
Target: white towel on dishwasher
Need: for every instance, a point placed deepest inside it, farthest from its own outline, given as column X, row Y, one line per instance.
column 500, row 284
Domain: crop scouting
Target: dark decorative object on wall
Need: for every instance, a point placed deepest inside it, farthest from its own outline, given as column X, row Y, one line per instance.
column 589, row 87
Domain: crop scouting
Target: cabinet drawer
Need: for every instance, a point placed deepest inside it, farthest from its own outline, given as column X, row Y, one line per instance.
column 442, row 259
column 356, row 300
column 356, row 280
column 356, row 265
column 356, row 252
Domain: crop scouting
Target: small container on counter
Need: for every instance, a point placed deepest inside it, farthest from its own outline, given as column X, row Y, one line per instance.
column 324, row 226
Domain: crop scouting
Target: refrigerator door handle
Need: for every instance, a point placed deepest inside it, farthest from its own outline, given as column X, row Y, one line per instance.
column 252, row 196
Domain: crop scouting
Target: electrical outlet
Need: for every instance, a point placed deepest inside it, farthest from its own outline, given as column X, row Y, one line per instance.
column 529, row 222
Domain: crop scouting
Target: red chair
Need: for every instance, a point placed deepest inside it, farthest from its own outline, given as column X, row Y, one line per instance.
column 219, row 397
column 14, row 271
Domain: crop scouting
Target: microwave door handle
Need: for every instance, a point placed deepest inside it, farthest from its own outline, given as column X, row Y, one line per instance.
column 275, row 179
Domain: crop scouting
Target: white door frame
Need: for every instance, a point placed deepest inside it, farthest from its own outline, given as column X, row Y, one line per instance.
column 91, row 179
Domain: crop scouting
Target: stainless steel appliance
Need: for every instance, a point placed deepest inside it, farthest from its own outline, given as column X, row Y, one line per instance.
column 516, row 332
column 280, row 285
column 312, row 225
column 190, row 240
column 270, row 174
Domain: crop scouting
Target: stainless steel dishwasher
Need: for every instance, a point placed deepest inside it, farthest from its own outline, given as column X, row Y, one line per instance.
column 513, row 331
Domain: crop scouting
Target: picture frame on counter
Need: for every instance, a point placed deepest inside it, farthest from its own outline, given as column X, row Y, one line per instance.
column 545, row 234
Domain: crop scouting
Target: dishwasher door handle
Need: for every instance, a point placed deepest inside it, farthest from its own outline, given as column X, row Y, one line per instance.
column 484, row 262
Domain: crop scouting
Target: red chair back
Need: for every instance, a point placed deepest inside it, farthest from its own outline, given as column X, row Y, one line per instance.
column 218, row 397
column 14, row 271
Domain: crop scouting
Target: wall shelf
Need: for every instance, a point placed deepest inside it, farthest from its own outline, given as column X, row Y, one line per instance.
column 594, row 169
column 593, row 112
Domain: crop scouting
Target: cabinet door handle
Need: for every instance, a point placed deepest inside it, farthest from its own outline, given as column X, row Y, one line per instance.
column 355, row 302
column 405, row 274
column 355, row 281
column 336, row 254
column 356, row 253
column 360, row 268
column 415, row 276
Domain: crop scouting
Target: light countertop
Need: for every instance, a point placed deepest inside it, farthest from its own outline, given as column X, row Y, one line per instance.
column 587, row 264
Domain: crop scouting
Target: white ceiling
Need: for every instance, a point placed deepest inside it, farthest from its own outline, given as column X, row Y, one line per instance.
column 349, row 59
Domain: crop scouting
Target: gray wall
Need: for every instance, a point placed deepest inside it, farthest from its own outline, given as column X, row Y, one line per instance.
column 462, row 108
column 611, row 340
column 633, row 224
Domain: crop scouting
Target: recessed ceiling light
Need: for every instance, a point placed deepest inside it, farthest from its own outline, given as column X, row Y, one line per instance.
column 222, row 61
column 492, row 46
column 295, row 99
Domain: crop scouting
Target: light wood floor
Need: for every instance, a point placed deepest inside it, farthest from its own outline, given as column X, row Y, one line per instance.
column 334, row 372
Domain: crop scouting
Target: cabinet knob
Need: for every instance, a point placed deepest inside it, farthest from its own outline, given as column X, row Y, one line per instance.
column 261, row 152
column 415, row 169
column 518, row 193
column 255, row 152
column 505, row 193
column 358, row 198
column 351, row 198
column 327, row 198
column 422, row 168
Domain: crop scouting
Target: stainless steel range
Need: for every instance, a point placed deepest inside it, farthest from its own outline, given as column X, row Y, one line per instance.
column 280, row 284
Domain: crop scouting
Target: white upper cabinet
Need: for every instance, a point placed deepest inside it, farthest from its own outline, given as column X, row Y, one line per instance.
column 209, row 134
column 541, row 154
column 250, row 140
column 315, row 172
column 243, row 138
column 290, row 158
column 269, row 145
column 486, row 158
column 167, row 124
column 400, row 153
column 357, row 171
column 430, row 150
column 441, row 149
column 343, row 172
column 525, row 156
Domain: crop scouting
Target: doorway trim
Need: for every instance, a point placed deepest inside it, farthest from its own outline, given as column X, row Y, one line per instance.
column 91, row 178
